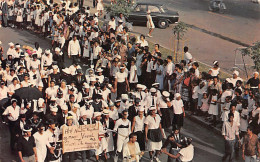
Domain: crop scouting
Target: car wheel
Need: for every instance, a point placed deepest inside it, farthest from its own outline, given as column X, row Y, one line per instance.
column 163, row 24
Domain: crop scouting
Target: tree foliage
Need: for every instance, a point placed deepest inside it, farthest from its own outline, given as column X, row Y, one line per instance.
column 120, row 6
column 179, row 30
column 254, row 53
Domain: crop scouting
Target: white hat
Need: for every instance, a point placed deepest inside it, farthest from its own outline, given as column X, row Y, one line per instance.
column 27, row 130
column 17, row 46
column 155, row 84
column 99, row 70
column 64, row 107
column 55, row 67
column 236, row 73
column 76, row 105
column 165, row 94
column 148, row 11
column 152, row 90
column 120, row 21
column 144, row 87
column 97, row 114
column 40, row 101
column 11, row 44
column 256, row 73
column 106, row 112
column 47, row 51
column 139, row 86
column 215, row 62
column 124, row 96
column 53, row 98
column 92, row 79
column 152, row 108
column 57, row 49
column 177, row 95
column 141, row 109
column 54, row 109
column 83, row 113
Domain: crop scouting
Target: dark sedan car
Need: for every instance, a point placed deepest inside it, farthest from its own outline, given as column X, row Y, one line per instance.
column 161, row 16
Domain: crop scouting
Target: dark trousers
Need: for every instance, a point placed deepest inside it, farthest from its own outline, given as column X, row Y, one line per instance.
column 74, row 58
column 68, row 157
column 229, row 150
column 5, row 24
column 121, row 89
column 12, row 130
column 141, row 139
column 85, row 155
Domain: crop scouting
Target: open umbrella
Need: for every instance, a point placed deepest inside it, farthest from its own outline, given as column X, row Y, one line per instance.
column 28, row 93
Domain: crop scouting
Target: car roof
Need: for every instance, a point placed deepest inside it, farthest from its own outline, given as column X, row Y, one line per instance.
column 149, row 3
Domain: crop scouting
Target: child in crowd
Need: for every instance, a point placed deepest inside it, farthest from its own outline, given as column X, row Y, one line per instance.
column 213, row 108
column 194, row 104
column 204, row 106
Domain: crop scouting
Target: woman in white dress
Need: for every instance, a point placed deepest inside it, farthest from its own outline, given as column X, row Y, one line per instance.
column 214, row 71
column 19, row 17
column 133, row 75
column 100, row 7
column 153, row 133
column 150, row 24
column 159, row 74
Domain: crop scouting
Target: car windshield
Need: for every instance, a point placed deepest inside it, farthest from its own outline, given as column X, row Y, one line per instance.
column 164, row 8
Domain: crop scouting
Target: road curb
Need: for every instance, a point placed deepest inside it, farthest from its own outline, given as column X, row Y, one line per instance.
column 197, row 120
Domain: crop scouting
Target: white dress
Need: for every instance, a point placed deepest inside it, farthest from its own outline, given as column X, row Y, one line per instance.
column 153, row 124
column 213, row 109
column 159, row 77
column 86, row 50
column 133, row 69
column 148, row 24
column 19, row 17
column 100, row 6
column 41, row 142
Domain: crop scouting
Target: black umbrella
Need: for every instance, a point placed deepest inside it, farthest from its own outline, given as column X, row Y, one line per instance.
column 28, row 93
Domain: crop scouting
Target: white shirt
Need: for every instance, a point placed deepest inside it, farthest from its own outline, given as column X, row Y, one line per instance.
column 51, row 91
column 112, row 24
column 121, row 77
column 96, row 51
column 13, row 87
column 3, row 92
column 15, row 112
column 152, row 122
column 187, row 153
column 195, row 92
column 177, row 106
column 236, row 117
column 74, row 48
column 169, row 68
column 123, row 131
column 187, row 57
column 139, row 124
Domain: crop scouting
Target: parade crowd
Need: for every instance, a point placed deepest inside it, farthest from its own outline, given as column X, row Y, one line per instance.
column 132, row 92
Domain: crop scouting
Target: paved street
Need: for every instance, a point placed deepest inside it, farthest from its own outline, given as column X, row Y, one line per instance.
column 240, row 23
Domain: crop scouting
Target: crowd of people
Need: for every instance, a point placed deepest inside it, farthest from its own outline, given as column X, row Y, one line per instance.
column 131, row 91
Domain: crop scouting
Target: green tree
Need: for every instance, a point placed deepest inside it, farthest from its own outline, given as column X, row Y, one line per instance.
column 254, row 53
column 179, row 31
column 120, row 6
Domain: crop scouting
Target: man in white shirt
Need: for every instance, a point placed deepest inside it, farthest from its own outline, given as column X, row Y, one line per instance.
column 230, row 132
column 74, row 48
column 187, row 55
column 169, row 70
column 12, row 114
